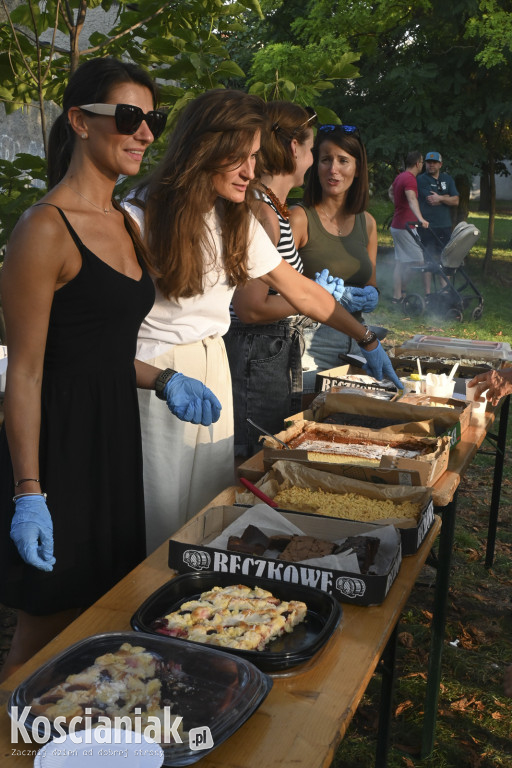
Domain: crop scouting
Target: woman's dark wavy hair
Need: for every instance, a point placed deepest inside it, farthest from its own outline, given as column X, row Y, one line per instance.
column 358, row 194
column 214, row 133
column 286, row 121
column 91, row 83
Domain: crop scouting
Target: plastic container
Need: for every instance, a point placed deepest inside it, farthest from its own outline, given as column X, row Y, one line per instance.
column 293, row 648
column 458, row 348
column 208, row 688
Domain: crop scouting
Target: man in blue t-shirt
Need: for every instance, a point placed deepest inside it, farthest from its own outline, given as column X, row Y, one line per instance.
column 437, row 193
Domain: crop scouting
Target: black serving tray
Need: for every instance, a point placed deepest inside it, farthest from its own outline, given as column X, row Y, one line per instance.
column 221, row 691
column 293, row 648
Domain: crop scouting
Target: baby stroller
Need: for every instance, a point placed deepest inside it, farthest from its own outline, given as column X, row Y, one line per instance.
column 452, row 291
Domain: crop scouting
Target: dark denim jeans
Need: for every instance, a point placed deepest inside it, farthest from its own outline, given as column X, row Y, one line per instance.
column 266, row 372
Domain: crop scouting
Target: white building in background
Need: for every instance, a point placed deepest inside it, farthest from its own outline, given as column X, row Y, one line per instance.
column 20, row 131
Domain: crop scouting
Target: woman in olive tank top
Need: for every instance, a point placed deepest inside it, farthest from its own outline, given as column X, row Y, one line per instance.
column 333, row 231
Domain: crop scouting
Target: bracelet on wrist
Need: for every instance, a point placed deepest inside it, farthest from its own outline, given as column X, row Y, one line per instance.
column 25, row 480
column 369, row 337
column 21, row 495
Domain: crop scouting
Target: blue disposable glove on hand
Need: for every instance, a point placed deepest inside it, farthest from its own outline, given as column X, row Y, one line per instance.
column 354, row 299
column 371, row 298
column 335, row 285
column 32, row 531
column 190, row 400
column 379, row 365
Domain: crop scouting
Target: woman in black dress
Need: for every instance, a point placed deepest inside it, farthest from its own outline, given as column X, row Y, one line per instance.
column 75, row 289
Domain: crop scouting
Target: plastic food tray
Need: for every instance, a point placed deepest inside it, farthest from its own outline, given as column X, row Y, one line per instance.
column 293, row 648
column 222, row 691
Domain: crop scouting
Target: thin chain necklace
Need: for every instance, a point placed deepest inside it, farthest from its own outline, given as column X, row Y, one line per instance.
column 332, row 220
column 281, row 207
column 99, row 207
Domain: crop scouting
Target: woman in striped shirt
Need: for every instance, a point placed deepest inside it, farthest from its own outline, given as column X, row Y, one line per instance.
column 264, row 340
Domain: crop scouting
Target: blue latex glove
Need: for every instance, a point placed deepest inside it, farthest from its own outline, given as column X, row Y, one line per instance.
column 190, row 400
column 32, row 531
column 379, row 365
column 371, row 299
column 354, row 299
column 335, row 285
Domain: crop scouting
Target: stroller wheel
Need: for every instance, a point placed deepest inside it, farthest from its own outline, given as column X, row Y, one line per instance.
column 414, row 305
column 477, row 313
column 455, row 315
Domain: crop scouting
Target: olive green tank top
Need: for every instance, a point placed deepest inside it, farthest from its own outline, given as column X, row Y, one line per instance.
column 345, row 257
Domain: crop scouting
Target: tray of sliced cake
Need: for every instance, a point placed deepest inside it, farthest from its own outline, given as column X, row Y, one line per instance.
column 143, row 682
column 364, row 454
column 301, row 488
column 352, row 561
column 275, row 626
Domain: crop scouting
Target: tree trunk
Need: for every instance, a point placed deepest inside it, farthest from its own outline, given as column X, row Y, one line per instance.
column 461, row 212
column 492, row 215
column 484, row 191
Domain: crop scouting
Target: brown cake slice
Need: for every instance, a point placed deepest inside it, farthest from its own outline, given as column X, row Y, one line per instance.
column 251, row 542
column 305, row 548
column 365, row 548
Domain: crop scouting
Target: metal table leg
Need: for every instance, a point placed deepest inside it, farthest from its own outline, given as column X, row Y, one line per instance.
column 496, row 485
column 386, row 699
column 446, row 538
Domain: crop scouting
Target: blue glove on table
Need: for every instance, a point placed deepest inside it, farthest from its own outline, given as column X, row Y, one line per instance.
column 379, row 365
column 371, row 299
column 190, row 400
column 335, row 285
column 32, row 531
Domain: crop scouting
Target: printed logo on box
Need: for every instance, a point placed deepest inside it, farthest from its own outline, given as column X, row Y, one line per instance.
column 200, row 738
column 351, row 587
column 199, row 561
column 426, row 522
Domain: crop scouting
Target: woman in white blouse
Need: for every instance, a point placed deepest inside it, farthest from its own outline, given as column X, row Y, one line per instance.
column 204, row 241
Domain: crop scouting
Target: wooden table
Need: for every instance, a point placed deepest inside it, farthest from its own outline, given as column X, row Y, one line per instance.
column 444, row 494
column 308, row 710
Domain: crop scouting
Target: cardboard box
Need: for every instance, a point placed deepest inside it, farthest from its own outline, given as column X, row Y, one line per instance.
column 461, row 407
column 189, row 552
column 423, row 470
column 334, row 377
column 287, row 474
column 411, row 417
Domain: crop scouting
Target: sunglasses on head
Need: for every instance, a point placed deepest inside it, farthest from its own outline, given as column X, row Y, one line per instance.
column 350, row 130
column 129, row 118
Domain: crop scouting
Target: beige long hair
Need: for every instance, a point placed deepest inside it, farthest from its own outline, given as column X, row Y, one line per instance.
column 215, row 132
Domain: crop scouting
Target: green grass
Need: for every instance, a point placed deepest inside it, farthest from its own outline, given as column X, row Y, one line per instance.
column 496, row 321
column 474, row 716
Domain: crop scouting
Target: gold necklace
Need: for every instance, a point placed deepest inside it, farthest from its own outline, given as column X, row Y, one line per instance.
column 99, row 207
column 281, row 207
column 332, row 220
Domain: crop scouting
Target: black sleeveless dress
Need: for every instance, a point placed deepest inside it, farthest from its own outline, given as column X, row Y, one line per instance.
column 90, row 446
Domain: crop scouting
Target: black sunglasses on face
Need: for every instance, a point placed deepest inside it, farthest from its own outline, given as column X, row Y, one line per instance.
column 129, row 118
column 348, row 129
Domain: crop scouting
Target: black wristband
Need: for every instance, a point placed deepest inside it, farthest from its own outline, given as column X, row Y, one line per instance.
column 161, row 381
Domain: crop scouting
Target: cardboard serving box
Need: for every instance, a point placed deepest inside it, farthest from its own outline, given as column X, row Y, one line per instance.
column 349, row 376
column 189, row 551
column 422, row 470
column 287, row 474
column 411, row 417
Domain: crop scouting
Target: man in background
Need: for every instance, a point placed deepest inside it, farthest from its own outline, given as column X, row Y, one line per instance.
column 437, row 195
column 404, row 194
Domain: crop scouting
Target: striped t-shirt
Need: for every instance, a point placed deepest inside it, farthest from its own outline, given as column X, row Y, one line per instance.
column 286, row 245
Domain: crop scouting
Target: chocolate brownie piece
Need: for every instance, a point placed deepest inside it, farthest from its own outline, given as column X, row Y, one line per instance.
column 251, row 542
column 305, row 548
column 365, row 548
